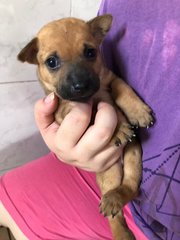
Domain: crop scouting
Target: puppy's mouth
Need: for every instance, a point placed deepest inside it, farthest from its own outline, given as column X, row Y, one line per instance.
column 79, row 85
column 77, row 95
column 81, row 98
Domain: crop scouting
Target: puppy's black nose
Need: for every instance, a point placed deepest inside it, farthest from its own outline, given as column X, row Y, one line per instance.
column 79, row 84
column 79, row 87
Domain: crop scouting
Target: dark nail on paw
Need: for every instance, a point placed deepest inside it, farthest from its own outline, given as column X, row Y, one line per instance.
column 118, row 142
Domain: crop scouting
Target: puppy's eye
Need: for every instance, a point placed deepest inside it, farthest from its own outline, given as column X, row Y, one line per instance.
column 90, row 53
column 53, row 62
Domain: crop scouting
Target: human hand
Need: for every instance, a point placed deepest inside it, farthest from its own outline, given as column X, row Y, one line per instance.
column 73, row 141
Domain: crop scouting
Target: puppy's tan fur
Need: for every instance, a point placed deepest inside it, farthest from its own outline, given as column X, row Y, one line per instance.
column 66, row 37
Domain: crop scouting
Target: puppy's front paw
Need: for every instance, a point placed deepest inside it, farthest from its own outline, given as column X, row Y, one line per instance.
column 123, row 134
column 141, row 115
column 111, row 203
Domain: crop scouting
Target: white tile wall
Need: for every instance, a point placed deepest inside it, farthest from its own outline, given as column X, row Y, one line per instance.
column 86, row 9
column 20, row 140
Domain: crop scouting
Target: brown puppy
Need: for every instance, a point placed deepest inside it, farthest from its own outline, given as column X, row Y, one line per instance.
column 67, row 54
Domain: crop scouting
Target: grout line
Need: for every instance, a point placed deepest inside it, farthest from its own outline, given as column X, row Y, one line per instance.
column 26, row 81
column 71, row 8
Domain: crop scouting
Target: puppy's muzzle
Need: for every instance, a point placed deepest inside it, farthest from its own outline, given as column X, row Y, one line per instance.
column 80, row 84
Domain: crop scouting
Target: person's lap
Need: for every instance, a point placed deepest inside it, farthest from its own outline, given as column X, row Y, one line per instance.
column 51, row 200
column 47, row 199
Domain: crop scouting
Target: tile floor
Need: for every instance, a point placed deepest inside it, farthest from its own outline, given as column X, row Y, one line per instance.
column 5, row 234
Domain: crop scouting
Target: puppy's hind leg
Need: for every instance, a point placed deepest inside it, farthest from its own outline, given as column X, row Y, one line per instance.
column 132, row 170
column 119, row 228
column 113, row 200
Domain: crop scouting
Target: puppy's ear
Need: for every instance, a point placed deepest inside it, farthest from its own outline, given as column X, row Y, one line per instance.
column 29, row 52
column 100, row 26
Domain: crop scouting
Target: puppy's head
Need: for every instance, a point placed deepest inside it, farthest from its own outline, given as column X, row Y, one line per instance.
column 67, row 54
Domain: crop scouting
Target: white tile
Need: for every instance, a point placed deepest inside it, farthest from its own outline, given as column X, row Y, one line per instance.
column 19, row 137
column 19, row 153
column 16, row 115
column 19, row 22
column 85, row 9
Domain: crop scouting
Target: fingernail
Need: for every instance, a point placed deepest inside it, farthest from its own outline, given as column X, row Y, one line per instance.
column 49, row 98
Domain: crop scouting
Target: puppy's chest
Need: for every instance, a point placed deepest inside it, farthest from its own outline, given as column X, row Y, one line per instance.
column 65, row 106
column 103, row 95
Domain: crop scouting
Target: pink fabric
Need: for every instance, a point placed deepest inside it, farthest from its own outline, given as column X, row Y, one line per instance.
column 51, row 200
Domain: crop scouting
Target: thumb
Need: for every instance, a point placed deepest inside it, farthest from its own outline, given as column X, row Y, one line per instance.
column 44, row 113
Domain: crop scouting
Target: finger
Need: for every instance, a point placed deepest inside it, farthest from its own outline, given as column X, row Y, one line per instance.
column 108, row 157
column 102, row 160
column 74, row 125
column 98, row 135
column 44, row 113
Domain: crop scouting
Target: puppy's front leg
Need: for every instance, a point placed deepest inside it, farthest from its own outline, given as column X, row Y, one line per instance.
column 137, row 112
